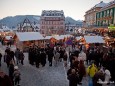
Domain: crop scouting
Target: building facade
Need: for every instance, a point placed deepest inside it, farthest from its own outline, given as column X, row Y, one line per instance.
column 52, row 22
column 106, row 15
column 90, row 15
column 28, row 26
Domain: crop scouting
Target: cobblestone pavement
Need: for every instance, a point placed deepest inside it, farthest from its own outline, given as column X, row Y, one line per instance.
column 43, row 76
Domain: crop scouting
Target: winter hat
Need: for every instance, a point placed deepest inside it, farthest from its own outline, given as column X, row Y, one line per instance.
column 16, row 67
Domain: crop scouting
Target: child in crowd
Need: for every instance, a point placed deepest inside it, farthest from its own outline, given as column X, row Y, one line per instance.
column 16, row 76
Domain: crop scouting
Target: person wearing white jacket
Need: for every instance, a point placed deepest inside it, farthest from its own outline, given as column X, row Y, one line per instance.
column 107, row 78
column 82, row 56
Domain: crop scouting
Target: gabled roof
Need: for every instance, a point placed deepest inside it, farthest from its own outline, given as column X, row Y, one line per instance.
column 101, row 4
column 27, row 22
column 108, row 4
column 29, row 36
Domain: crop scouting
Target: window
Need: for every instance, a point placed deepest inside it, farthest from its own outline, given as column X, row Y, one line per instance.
column 111, row 12
column 103, row 22
column 107, row 12
column 48, row 22
column 107, row 22
column 54, row 22
column 61, row 27
column 46, row 27
column 100, row 14
column 42, row 27
column 62, row 22
column 97, row 15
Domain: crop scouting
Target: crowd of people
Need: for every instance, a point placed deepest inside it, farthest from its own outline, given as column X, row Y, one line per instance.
column 37, row 55
column 93, row 63
column 11, row 58
column 99, row 68
column 98, row 62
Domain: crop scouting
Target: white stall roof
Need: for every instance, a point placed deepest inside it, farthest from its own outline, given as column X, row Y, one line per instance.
column 94, row 39
column 48, row 37
column 29, row 36
column 58, row 37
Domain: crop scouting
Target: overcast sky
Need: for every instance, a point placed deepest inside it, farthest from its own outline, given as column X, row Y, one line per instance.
column 73, row 8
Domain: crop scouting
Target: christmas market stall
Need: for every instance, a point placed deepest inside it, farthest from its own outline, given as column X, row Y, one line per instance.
column 57, row 39
column 91, row 41
column 25, row 39
column 111, row 36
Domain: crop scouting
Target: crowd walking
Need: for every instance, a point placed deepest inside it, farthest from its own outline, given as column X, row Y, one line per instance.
column 92, row 63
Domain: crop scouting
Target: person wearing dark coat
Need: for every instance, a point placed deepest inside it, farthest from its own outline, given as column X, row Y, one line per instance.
column 97, row 58
column 73, row 78
column 50, row 57
column 61, row 54
column 65, row 59
column 0, row 59
column 69, row 71
column 91, row 56
column 76, row 53
column 21, row 57
column 11, row 70
column 33, row 55
column 8, row 59
column 17, row 55
column 7, row 50
column 97, row 76
column 29, row 54
column 43, row 58
column 12, row 55
column 5, row 79
column 37, row 61
column 71, row 58
column 82, row 70
column 87, row 56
